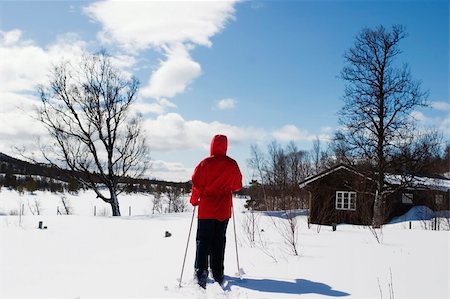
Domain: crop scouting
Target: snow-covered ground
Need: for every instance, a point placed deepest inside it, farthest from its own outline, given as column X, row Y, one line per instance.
column 82, row 256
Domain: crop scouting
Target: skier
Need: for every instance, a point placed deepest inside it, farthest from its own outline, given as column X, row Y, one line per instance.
column 213, row 181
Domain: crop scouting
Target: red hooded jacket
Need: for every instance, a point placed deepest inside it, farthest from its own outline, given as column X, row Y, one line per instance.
column 214, row 180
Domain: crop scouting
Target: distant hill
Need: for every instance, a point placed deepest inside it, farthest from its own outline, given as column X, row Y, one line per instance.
column 13, row 166
column 16, row 166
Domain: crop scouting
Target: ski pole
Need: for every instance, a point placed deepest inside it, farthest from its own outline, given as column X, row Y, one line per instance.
column 187, row 244
column 235, row 243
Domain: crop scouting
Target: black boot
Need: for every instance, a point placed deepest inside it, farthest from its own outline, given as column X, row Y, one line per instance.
column 202, row 277
column 219, row 279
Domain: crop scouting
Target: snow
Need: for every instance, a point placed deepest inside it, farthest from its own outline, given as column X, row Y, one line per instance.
column 424, row 182
column 420, row 214
column 415, row 213
column 82, row 256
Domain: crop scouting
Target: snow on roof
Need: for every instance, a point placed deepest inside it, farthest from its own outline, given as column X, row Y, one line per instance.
column 320, row 175
column 442, row 183
column 423, row 182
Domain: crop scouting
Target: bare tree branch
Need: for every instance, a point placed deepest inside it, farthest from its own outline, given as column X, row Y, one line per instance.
column 86, row 111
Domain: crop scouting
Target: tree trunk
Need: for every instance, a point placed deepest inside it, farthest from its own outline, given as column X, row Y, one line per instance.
column 378, row 214
column 114, row 204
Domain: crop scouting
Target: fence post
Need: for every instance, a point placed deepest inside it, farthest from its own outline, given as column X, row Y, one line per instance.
column 95, row 210
column 129, row 211
column 21, row 214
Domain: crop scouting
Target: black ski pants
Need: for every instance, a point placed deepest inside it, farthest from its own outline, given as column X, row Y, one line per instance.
column 211, row 238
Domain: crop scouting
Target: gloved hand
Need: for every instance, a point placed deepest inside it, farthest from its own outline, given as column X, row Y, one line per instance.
column 195, row 203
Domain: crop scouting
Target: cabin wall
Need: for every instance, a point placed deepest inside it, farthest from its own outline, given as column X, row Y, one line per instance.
column 323, row 199
column 428, row 198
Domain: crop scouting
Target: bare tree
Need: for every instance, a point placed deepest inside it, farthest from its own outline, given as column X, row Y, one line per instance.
column 258, row 163
column 316, row 155
column 378, row 101
column 288, row 229
column 157, row 203
column 299, row 167
column 35, row 206
column 251, row 225
column 86, row 110
column 264, row 245
column 390, row 286
column 278, row 174
column 420, row 154
column 176, row 200
column 66, row 206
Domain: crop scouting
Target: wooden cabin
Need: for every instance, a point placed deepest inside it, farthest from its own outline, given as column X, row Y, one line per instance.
column 343, row 194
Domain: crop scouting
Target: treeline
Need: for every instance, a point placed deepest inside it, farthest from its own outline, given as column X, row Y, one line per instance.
column 277, row 174
column 31, row 183
column 24, row 176
column 10, row 165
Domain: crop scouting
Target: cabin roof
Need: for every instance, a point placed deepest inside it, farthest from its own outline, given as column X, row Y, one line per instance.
column 435, row 183
column 322, row 174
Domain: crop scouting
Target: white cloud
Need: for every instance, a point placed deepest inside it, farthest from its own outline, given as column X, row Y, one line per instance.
column 172, row 132
column 419, row 116
column 293, row 133
column 443, row 106
column 137, row 25
column 158, row 107
column 16, row 112
column 289, row 133
column 17, row 57
column 171, row 171
column 18, row 128
column 441, row 123
column 10, row 38
column 445, row 126
column 24, row 65
column 124, row 63
column 226, row 104
column 174, row 28
column 173, row 75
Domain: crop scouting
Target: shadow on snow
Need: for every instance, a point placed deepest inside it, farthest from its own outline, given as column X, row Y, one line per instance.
column 300, row 286
column 286, row 214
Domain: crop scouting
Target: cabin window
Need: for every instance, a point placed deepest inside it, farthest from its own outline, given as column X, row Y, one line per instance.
column 407, row 198
column 439, row 199
column 345, row 200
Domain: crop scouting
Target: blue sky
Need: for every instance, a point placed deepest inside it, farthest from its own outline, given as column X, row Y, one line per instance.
column 257, row 71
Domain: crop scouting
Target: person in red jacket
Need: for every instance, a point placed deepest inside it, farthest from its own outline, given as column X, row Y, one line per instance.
column 213, row 181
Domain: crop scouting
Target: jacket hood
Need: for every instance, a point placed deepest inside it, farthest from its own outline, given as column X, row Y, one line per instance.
column 219, row 145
